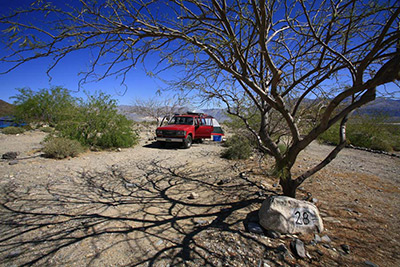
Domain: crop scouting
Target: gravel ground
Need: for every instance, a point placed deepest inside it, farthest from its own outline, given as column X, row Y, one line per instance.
column 146, row 206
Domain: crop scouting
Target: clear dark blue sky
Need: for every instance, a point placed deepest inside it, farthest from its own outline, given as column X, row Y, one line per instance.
column 33, row 74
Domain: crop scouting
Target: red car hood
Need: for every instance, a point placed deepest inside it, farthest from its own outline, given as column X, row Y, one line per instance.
column 176, row 127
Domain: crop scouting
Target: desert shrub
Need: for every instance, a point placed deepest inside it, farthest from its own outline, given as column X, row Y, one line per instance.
column 98, row 124
column 13, row 130
column 237, row 147
column 59, row 147
column 46, row 105
column 369, row 132
column 283, row 148
column 46, row 129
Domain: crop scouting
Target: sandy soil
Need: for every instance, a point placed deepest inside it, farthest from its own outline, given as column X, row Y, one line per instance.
column 146, row 206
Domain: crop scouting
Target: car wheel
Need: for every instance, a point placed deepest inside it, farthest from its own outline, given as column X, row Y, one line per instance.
column 188, row 142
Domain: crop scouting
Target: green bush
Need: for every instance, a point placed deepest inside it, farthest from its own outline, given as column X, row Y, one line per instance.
column 98, row 124
column 60, row 148
column 94, row 122
column 13, row 130
column 46, row 129
column 283, row 148
column 46, row 105
column 369, row 132
column 237, row 147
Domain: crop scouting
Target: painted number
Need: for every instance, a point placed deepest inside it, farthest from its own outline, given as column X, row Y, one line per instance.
column 302, row 218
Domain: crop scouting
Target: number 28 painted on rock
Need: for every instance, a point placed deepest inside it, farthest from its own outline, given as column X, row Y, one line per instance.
column 303, row 217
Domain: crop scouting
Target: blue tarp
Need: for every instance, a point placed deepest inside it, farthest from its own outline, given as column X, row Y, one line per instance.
column 8, row 121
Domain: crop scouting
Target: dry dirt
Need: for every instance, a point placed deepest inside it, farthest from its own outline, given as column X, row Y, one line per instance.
column 146, row 206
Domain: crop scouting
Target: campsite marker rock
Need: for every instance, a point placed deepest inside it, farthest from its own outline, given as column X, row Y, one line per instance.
column 290, row 216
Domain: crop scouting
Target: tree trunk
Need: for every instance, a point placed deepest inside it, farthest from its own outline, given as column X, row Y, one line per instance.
column 289, row 187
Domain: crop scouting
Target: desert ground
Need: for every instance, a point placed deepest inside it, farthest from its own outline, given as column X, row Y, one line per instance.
column 150, row 206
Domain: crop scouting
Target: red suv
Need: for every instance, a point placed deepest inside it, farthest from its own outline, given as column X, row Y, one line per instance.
column 185, row 128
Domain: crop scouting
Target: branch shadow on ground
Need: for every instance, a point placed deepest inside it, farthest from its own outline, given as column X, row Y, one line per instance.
column 147, row 214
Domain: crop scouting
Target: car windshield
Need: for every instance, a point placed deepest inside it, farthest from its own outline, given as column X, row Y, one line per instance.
column 181, row 120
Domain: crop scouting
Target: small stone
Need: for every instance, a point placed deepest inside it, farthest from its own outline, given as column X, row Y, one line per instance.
column 314, row 200
column 326, row 245
column 346, row 248
column 297, row 247
column 222, row 181
column 159, row 242
column 9, row 155
column 254, row 228
column 13, row 162
column 275, row 185
column 201, row 222
column 272, row 234
column 326, row 239
column 260, row 194
column 119, row 149
column 282, row 248
column 317, row 238
column 370, row 264
column 130, row 185
column 266, row 263
column 193, row 195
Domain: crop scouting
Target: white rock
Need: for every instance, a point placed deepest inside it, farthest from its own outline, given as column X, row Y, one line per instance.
column 290, row 216
column 193, row 195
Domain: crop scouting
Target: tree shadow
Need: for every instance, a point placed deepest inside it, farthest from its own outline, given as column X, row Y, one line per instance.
column 144, row 215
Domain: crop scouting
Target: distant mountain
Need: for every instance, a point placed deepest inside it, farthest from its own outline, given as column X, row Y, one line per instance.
column 382, row 106
column 218, row 113
column 128, row 111
column 6, row 108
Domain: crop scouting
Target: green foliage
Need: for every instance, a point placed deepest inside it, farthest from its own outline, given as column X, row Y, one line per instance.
column 97, row 123
column 369, row 132
column 46, row 105
column 237, row 147
column 283, row 148
column 251, row 113
column 60, row 148
column 94, row 122
column 46, row 129
column 13, row 130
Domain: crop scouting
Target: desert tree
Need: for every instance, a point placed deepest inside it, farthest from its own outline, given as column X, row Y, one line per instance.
column 157, row 108
column 281, row 57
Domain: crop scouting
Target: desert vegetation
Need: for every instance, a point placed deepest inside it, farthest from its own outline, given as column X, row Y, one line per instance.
column 13, row 130
column 372, row 132
column 60, row 147
column 94, row 122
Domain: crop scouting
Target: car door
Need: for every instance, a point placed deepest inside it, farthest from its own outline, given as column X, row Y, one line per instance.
column 202, row 129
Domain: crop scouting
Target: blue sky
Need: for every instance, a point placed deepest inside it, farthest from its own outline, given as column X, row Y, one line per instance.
column 33, row 75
